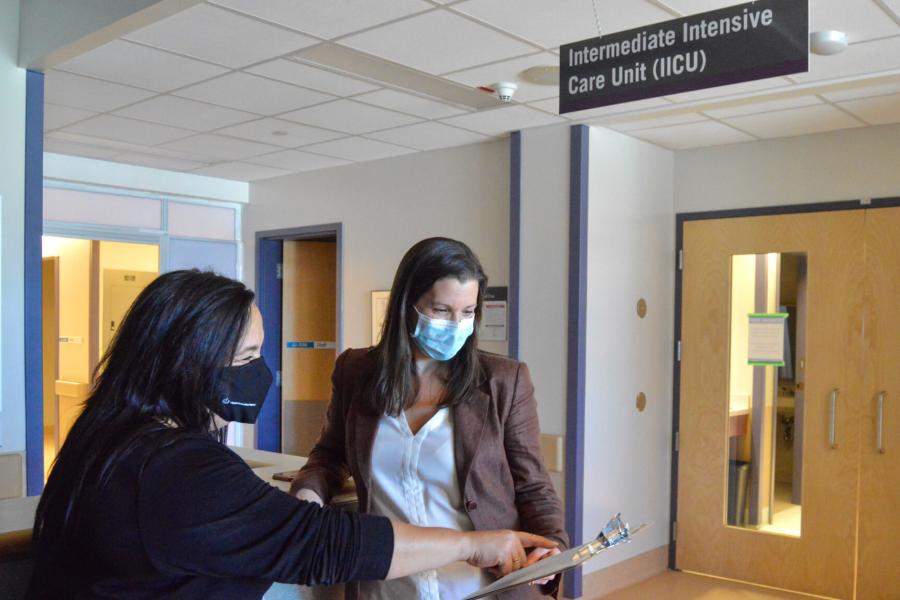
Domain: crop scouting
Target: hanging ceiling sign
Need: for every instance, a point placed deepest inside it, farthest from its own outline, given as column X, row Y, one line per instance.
column 760, row 39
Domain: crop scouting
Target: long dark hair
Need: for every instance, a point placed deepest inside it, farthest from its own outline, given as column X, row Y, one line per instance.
column 159, row 375
column 395, row 384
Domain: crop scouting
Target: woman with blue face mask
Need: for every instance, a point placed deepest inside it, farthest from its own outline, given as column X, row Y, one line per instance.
column 435, row 432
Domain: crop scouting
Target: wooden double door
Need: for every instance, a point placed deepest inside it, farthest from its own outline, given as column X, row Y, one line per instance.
column 847, row 372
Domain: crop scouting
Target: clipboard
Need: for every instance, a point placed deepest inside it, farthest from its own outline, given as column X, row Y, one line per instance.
column 615, row 533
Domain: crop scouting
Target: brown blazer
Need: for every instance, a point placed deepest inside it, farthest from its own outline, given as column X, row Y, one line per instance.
column 501, row 474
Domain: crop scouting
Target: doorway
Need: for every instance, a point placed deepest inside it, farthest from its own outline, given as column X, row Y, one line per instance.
column 787, row 327
column 88, row 285
column 298, row 274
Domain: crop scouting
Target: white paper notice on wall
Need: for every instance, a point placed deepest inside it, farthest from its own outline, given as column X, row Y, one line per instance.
column 766, row 337
column 493, row 321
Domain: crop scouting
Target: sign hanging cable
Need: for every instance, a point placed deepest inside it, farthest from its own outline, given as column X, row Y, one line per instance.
column 597, row 18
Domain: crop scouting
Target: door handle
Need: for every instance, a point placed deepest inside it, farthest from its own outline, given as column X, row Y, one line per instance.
column 832, row 421
column 879, row 433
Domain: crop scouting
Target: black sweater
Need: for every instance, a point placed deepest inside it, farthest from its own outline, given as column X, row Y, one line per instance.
column 193, row 521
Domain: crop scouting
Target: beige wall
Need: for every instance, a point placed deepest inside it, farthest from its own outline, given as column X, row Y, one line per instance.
column 385, row 207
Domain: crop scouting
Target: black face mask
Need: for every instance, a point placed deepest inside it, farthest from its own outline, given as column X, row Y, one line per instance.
column 244, row 390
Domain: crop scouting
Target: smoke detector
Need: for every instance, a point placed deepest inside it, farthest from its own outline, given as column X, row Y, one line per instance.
column 505, row 90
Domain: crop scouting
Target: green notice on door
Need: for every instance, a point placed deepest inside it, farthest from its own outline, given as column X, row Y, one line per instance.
column 766, row 339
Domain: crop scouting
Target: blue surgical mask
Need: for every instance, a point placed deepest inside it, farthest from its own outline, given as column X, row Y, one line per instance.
column 441, row 339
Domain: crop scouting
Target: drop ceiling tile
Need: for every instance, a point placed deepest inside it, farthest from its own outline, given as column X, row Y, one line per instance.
column 508, row 70
column 867, row 91
column 552, row 105
column 648, row 123
column 127, row 130
column 350, row 117
column 859, row 19
column 559, row 22
column 795, row 121
column 311, row 77
column 326, row 19
column 281, row 133
column 241, row 171
column 437, row 42
column 690, row 7
column 731, row 90
column 184, row 113
column 295, row 160
column 60, row 116
column 761, row 107
column 253, row 94
column 218, row 146
column 503, row 120
column 76, row 91
column 694, row 135
column 132, row 64
column 893, row 8
column 220, row 36
column 857, row 59
column 76, row 149
column 879, row 110
column 358, row 149
column 121, row 147
column 429, row 136
column 158, row 162
column 410, row 104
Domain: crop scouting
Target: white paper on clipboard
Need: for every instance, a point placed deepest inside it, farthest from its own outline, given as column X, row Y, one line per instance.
column 614, row 534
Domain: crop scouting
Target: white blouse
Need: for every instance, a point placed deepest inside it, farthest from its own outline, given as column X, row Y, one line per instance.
column 414, row 480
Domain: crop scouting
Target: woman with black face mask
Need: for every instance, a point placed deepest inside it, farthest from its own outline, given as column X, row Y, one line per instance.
column 144, row 502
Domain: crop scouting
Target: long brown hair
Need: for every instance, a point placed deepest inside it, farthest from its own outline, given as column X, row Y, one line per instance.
column 395, row 384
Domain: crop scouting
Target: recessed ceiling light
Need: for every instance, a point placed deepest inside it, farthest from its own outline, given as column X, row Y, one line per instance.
column 541, row 75
column 826, row 43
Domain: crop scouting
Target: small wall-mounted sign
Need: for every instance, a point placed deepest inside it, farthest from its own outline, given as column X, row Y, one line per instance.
column 494, row 313
column 766, row 339
column 70, row 339
column 312, row 345
column 760, row 39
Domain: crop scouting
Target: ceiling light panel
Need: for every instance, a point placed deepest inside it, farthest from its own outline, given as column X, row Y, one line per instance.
column 281, row 133
column 410, row 104
column 184, row 113
column 295, row 160
column 327, row 19
column 795, row 121
column 311, row 77
column 761, row 107
column 60, row 116
column 220, row 36
column 241, row 171
column 350, row 117
column 694, row 135
column 857, row 59
column 429, row 136
column 604, row 111
column 90, row 94
column 253, row 94
column 132, row 64
column 359, row 149
column 732, row 90
column 503, row 120
column 866, row 91
column 220, row 147
column 859, row 19
column 437, row 42
column 638, row 124
column 551, row 24
column 127, row 130
column 879, row 110
column 508, row 70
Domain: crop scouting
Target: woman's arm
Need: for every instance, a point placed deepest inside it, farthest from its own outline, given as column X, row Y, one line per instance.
column 423, row 548
column 326, row 470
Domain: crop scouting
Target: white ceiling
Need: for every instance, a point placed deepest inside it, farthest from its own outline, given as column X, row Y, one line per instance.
column 219, row 89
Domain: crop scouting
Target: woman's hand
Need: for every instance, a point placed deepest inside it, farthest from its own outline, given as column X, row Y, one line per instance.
column 308, row 495
column 504, row 551
column 540, row 554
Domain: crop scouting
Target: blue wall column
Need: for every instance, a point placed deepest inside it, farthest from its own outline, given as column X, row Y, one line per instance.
column 515, row 239
column 34, row 215
column 578, row 207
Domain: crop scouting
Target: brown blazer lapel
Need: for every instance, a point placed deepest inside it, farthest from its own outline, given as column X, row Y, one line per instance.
column 469, row 418
column 364, row 427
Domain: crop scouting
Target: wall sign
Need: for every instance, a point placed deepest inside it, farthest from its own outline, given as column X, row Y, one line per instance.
column 766, row 339
column 760, row 39
column 311, row 345
column 493, row 315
